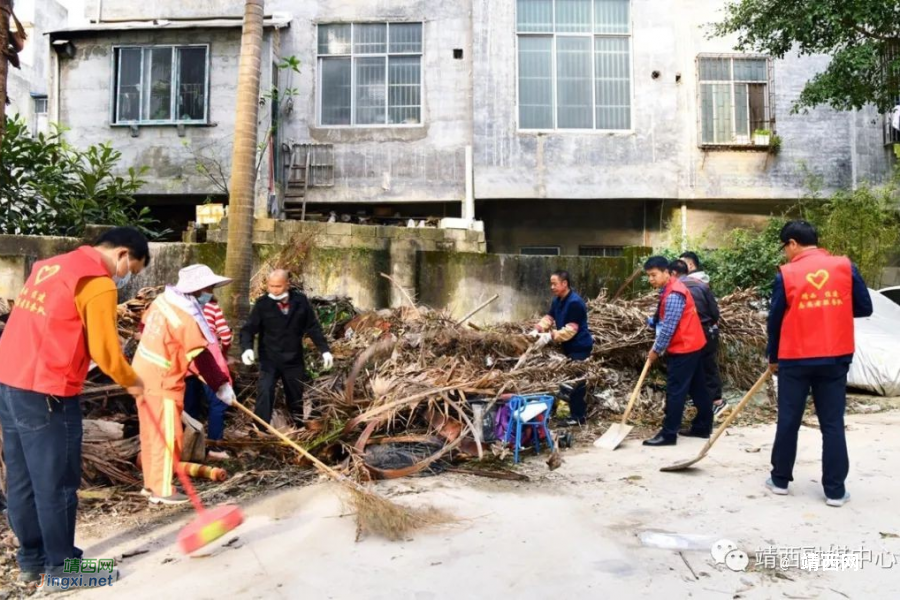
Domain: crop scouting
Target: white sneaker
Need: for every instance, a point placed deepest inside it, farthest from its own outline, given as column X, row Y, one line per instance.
column 779, row 491
column 145, row 492
column 176, row 498
column 838, row 502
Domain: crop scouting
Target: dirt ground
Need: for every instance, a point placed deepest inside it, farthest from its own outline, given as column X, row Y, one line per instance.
column 574, row 532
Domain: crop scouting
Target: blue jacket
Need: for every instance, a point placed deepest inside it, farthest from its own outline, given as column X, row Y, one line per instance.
column 572, row 309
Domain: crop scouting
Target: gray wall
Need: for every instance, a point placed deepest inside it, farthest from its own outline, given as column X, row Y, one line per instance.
column 37, row 17
column 660, row 157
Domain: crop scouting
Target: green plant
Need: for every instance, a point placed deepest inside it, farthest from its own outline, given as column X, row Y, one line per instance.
column 774, row 144
column 765, row 132
column 862, row 223
column 48, row 187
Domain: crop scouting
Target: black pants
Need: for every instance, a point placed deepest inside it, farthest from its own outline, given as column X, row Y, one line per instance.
column 829, row 389
column 292, row 377
column 42, row 449
column 685, row 375
column 711, row 364
column 577, row 403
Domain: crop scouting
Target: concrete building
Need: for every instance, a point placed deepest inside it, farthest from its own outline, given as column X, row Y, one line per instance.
column 27, row 86
column 577, row 126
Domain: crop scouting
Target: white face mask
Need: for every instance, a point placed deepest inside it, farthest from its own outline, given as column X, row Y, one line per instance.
column 122, row 281
column 280, row 297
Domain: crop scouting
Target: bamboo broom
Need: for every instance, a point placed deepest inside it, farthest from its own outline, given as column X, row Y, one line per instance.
column 374, row 513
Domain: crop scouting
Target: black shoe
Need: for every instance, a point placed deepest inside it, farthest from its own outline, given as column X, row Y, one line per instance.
column 29, row 576
column 661, row 440
column 717, row 408
column 693, row 433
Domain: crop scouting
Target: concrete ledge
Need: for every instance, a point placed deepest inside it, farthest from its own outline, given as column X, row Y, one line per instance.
column 364, row 231
column 338, row 229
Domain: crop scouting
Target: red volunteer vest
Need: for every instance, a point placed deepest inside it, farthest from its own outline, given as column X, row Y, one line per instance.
column 818, row 322
column 43, row 346
column 689, row 334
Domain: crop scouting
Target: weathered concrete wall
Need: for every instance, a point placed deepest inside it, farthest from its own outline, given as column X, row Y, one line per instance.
column 85, row 106
column 660, row 157
column 462, row 281
column 347, row 235
column 37, row 17
column 455, row 280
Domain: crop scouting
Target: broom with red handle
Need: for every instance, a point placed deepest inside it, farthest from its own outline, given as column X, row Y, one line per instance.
column 210, row 524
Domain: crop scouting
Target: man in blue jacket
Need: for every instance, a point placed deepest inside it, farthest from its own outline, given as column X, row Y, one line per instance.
column 566, row 324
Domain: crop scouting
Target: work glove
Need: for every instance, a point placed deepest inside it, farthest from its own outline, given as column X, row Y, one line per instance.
column 543, row 339
column 248, row 357
column 226, row 393
column 534, row 334
column 327, row 361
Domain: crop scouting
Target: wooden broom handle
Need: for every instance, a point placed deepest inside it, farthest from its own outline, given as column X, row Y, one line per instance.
column 737, row 409
column 637, row 390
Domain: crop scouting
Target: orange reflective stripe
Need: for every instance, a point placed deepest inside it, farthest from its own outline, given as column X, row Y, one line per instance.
column 156, row 359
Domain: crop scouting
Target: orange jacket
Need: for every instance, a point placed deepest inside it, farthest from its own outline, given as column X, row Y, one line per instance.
column 689, row 336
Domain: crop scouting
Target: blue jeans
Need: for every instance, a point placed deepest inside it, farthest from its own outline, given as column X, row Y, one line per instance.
column 42, row 449
column 829, row 390
column 194, row 393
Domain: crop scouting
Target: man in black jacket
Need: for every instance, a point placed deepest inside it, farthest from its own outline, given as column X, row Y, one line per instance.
column 281, row 319
column 708, row 310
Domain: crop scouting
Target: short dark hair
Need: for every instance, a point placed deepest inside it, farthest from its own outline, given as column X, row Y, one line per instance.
column 562, row 276
column 657, row 262
column 679, row 267
column 126, row 237
column 692, row 256
column 803, row 232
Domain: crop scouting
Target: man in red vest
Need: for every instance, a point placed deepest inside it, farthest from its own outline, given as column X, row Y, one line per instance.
column 63, row 318
column 679, row 335
column 814, row 300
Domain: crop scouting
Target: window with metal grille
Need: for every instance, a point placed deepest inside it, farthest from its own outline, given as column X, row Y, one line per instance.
column 370, row 74
column 540, row 250
column 161, row 84
column 574, row 64
column 40, row 105
column 735, row 100
column 607, row 251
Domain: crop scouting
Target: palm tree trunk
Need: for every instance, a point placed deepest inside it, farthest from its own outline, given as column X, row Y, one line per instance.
column 239, row 251
column 4, row 62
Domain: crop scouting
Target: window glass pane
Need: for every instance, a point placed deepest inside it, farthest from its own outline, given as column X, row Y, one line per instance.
column 707, row 134
column 158, row 77
column 404, row 90
column 128, row 94
column 335, row 91
column 191, row 99
column 723, row 123
column 574, row 83
column 534, row 16
column 612, row 16
column 573, row 16
column 612, row 73
column 370, row 90
column 758, row 100
column 370, row 39
column 741, row 113
column 715, row 69
column 406, row 37
column 535, row 82
column 334, row 39
column 750, row 70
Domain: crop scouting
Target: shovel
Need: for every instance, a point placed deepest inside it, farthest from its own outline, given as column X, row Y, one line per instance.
column 734, row 413
column 617, row 432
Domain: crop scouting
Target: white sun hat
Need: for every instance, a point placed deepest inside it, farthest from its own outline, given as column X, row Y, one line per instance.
column 198, row 277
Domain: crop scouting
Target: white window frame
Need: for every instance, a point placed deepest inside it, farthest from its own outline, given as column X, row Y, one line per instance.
column 353, row 56
column 769, row 98
column 116, row 72
column 592, row 35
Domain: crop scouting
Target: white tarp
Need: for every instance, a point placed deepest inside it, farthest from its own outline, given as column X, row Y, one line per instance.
column 876, row 364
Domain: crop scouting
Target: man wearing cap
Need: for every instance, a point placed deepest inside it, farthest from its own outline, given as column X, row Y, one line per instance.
column 175, row 334
column 281, row 319
column 64, row 317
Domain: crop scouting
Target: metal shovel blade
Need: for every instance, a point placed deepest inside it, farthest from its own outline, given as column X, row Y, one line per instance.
column 614, row 436
column 684, row 465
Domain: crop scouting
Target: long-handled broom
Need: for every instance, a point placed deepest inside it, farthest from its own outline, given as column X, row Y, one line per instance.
column 210, row 524
column 374, row 513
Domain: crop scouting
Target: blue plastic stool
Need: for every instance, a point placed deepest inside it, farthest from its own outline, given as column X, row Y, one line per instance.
column 516, row 405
